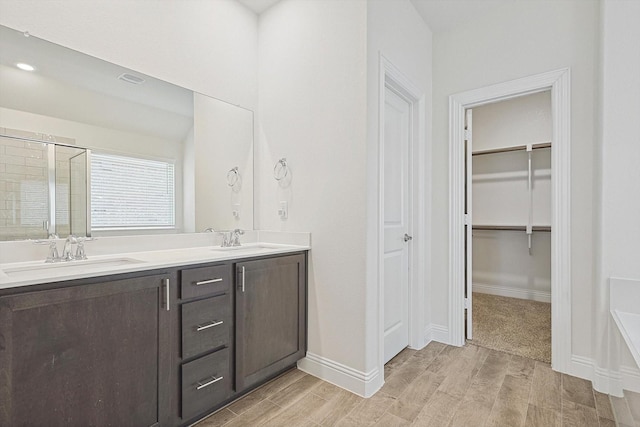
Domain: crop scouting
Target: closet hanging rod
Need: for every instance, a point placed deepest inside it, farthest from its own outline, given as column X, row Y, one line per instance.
column 511, row 227
column 514, row 148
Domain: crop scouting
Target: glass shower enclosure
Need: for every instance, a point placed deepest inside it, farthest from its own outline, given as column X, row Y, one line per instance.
column 44, row 187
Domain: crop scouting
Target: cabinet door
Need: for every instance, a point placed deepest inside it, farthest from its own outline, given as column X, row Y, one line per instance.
column 86, row 355
column 270, row 317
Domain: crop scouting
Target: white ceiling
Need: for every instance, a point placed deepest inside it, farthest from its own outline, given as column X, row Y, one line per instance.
column 258, row 6
column 71, row 85
column 443, row 15
column 440, row 15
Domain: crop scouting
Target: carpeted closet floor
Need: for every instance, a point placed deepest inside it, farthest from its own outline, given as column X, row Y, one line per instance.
column 515, row 326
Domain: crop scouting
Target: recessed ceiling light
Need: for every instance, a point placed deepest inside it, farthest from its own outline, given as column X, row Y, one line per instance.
column 25, row 67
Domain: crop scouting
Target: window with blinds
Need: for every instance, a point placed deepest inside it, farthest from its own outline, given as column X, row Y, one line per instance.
column 131, row 193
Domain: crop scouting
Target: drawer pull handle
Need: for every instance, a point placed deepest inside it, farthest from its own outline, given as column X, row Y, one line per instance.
column 209, row 325
column 167, row 283
column 206, row 282
column 202, row 385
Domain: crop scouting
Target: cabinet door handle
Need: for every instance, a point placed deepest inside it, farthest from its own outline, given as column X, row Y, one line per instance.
column 202, row 384
column 167, row 284
column 206, row 282
column 243, row 278
column 208, row 325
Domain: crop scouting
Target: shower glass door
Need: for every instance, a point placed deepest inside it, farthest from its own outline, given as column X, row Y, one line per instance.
column 71, row 180
column 43, row 188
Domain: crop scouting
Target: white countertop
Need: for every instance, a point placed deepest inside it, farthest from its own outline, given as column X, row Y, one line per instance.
column 18, row 274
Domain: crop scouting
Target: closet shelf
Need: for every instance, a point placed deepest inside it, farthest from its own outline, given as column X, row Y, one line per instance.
column 513, row 148
column 511, row 227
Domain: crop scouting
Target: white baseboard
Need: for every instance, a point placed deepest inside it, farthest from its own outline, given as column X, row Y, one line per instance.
column 511, row 292
column 630, row 378
column 364, row 384
column 437, row 333
column 604, row 380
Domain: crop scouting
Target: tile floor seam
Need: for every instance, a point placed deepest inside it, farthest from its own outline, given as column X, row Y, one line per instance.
column 495, row 399
column 561, row 403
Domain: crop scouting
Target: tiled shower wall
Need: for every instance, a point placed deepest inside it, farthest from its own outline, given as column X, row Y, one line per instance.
column 23, row 189
column 24, row 186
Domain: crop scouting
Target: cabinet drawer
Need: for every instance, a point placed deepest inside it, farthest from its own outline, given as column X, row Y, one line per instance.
column 205, row 383
column 206, row 324
column 197, row 282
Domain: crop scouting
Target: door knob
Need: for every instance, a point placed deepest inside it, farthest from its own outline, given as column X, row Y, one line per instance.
column 407, row 237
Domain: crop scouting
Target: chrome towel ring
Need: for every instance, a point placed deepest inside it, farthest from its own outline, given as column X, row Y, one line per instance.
column 233, row 176
column 281, row 170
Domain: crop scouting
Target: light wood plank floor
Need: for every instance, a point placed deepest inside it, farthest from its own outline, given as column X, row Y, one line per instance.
column 627, row 409
column 437, row 386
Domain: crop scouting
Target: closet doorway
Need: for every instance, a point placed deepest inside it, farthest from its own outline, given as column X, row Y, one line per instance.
column 508, row 237
column 558, row 82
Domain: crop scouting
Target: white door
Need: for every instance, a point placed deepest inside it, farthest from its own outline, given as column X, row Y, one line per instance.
column 468, row 224
column 395, row 170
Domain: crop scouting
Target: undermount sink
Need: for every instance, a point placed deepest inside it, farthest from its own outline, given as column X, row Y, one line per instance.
column 253, row 247
column 68, row 266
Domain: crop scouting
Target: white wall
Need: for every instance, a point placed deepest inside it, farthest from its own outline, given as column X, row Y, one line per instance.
column 318, row 108
column 207, row 46
column 522, row 39
column 312, row 111
column 502, row 264
column 620, row 185
column 223, row 139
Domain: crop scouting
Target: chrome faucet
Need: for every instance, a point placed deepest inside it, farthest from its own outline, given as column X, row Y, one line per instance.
column 67, row 251
column 53, row 255
column 235, row 237
column 80, row 252
column 226, row 238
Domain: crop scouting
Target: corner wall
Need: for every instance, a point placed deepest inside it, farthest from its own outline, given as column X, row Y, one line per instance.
column 620, row 184
column 319, row 109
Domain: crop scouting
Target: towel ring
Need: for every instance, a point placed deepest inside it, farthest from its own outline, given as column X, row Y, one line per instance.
column 233, row 176
column 281, row 170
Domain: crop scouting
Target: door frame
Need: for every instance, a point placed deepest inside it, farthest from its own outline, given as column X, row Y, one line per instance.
column 391, row 76
column 559, row 83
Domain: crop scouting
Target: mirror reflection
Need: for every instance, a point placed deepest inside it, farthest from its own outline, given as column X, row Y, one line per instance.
column 88, row 147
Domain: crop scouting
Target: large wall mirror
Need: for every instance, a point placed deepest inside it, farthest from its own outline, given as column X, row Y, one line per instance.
column 89, row 147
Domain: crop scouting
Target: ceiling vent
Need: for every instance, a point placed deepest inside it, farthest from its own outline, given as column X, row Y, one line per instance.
column 130, row 78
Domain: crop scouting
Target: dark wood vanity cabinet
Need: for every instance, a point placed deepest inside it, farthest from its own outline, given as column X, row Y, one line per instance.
column 161, row 348
column 89, row 354
column 207, row 326
column 270, row 317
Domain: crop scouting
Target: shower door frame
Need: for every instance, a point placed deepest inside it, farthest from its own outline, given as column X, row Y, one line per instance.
column 50, row 223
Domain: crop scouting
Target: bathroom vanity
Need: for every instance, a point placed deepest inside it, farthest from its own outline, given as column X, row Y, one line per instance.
column 150, row 347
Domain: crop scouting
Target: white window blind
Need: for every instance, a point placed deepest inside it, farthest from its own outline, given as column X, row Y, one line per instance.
column 129, row 192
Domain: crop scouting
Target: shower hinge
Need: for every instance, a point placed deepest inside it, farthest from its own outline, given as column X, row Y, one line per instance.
column 466, row 303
